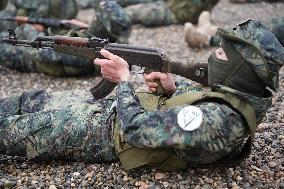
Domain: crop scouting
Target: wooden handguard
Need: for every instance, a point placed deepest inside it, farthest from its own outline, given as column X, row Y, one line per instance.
column 71, row 41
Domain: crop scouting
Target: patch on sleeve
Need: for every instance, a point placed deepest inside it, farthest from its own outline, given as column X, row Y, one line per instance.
column 190, row 118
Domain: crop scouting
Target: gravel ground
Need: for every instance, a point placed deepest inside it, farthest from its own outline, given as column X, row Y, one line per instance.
column 263, row 169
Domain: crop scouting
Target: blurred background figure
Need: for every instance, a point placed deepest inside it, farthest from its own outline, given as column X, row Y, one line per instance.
column 157, row 13
column 254, row 1
column 203, row 33
column 199, row 36
column 110, row 22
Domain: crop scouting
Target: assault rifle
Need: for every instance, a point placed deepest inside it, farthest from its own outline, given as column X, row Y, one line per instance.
column 135, row 55
column 48, row 22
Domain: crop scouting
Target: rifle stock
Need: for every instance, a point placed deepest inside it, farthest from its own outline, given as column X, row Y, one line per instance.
column 135, row 55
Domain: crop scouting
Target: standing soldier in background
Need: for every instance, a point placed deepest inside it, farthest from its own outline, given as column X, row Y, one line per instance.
column 111, row 22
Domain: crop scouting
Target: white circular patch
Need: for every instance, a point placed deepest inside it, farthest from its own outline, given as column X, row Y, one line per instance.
column 190, row 118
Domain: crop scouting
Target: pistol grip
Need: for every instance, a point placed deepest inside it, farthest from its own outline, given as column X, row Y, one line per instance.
column 159, row 89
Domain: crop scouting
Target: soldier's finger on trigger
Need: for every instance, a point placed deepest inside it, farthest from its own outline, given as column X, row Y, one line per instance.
column 101, row 62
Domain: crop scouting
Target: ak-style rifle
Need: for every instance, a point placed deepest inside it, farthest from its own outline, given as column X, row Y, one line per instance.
column 135, row 55
column 48, row 22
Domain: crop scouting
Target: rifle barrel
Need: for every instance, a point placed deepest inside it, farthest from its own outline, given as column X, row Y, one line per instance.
column 26, row 43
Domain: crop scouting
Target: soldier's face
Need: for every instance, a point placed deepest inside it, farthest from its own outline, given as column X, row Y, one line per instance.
column 220, row 54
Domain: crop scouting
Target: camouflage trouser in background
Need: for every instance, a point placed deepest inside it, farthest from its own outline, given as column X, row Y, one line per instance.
column 168, row 12
column 151, row 14
column 254, row 1
column 3, row 4
column 276, row 25
column 46, row 61
column 67, row 125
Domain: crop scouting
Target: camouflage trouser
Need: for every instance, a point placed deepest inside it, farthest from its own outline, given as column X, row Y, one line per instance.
column 151, row 14
column 125, row 3
column 168, row 12
column 276, row 25
column 254, row 1
column 47, row 61
column 67, row 125
column 3, row 4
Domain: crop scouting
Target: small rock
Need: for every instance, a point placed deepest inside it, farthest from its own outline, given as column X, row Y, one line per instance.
column 84, row 183
column 76, row 174
column 159, row 176
column 272, row 164
column 52, row 187
column 34, row 182
column 165, row 184
column 239, row 178
column 125, row 179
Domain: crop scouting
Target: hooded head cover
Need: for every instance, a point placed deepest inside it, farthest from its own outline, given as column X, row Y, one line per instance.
column 255, row 47
column 111, row 22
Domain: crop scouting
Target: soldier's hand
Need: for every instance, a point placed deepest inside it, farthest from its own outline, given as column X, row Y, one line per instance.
column 166, row 80
column 114, row 68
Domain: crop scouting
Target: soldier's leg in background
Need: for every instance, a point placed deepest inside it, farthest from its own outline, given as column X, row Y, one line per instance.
column 276, row 25
column 19, row 58
column 189, row 10
column 68, row 125
column 3, row 4
column 151, row 14
column 4, row 25
column 27, row 59
column 59, row 64
column 125, row 3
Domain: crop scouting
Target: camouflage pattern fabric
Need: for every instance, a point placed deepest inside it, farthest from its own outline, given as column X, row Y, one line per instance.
column 125, row 3
column 72, row 125
column 4, row 25
column 3, row 4
column 168, row 12
column 151, row 14
column 112, row 22
column 43, row 60
column 222, row 130
column 254, row 1
column 64, row 9
column 276, row 26
column 85, row 4
column 68, row 125
column 260, row 48
column 189, row 10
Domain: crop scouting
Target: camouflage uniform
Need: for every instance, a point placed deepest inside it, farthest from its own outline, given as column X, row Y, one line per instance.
column 276, row 25
column 58, row 64
column 73, row 125
column 3, row 4
column 254, row 1
column 168, row 12
column 62, row 9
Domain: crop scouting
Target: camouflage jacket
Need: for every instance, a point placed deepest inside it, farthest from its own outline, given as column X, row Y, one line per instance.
column 222, row 130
